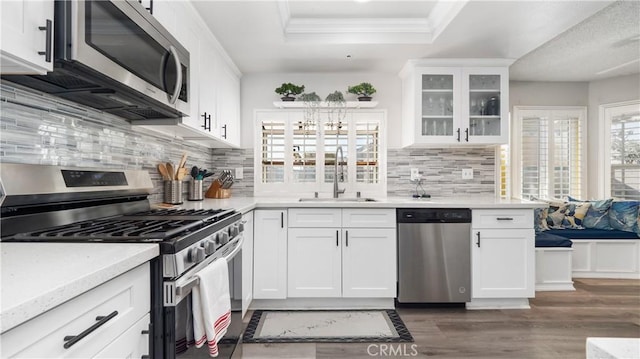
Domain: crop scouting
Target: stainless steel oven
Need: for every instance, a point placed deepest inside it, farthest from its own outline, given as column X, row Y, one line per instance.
column 65, row 204
column 115, row 56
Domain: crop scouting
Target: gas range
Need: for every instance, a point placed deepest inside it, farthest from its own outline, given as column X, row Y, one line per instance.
column 61, row 204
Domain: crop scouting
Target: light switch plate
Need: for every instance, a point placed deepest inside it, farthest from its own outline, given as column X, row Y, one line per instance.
column 467, row 173
column 415, row 174
column 239, row 173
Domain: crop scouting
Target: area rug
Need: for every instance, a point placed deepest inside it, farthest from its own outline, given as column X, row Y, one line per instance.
column 326, row 326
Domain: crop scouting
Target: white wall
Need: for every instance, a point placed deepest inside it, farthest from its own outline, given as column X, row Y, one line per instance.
column 526, row 93
column 612, row 90
column 258, row 93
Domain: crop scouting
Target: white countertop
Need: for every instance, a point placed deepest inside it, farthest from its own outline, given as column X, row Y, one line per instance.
column 245, row 204
column 613, row 348
column 35, row 280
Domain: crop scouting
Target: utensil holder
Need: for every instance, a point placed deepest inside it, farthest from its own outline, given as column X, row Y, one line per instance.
column 216, row 191
column 195, row 190
column 173, row 192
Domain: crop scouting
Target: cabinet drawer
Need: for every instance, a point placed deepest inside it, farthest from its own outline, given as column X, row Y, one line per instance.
column 369, row 218
column 502, row 218
column 314, row 217
column 134, row 343
column 43, row 336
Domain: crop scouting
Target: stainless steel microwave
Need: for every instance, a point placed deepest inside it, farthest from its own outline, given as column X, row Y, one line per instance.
column 113, row 55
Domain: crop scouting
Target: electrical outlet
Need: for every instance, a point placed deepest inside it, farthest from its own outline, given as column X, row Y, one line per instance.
column 239, row 173
column 467, row 173
column 415, row 174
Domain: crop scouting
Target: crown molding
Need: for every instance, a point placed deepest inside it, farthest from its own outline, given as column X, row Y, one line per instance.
column 369, row 30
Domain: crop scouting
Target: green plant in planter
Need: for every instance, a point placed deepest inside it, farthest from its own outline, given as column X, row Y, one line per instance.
column 310, row 97
column 363, row 90
column 288, row 90
column 336, row 96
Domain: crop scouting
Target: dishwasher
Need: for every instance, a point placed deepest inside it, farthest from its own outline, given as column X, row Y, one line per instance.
column 434, row 255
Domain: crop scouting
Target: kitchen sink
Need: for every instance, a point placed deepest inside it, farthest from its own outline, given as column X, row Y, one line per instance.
column 337, row 200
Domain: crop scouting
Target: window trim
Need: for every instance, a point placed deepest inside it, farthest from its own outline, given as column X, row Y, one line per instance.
column 605, row 112
column 516, row 145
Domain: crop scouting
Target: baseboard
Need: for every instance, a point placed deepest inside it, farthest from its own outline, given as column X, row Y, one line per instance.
column 503, row 303
column 610, row 275
column 555, row 287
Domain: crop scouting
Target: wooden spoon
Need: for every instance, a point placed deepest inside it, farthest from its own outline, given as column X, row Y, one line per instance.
column 182, row 172
column 183, row 160
column 163, row 171
column 171, row 171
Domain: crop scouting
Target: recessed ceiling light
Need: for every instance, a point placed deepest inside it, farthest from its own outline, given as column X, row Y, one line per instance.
column 361, row 0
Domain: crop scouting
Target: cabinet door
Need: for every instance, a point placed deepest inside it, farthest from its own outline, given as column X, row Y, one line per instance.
column 369, row 263
column 228, row 102
column 270, row 254
column 188, row 37
column 314, row 262
column 485, row 104
column 209, row 63
column 503, row 263
column 247, row 262
column 438, row 106
column 22, row 38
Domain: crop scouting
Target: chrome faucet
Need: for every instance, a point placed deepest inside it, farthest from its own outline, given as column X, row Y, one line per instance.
column 336, row 191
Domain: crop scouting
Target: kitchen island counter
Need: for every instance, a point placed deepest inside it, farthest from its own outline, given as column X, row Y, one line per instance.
column 37, row 277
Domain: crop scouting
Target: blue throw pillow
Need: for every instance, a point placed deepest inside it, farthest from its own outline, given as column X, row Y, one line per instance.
column 623, row 215
column 574, row 218
column 597, row 216
column 540, row 219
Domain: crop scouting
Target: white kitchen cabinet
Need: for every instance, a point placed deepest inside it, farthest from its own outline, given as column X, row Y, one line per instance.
column 455, row 102
column 25, row 37
column 247, row 262
column 314, row 262
column 134, row 343
column 228, row 104
column 270, row 254
column 122, row 304
column 329, row 261
column 502, row 256
column 369, row 263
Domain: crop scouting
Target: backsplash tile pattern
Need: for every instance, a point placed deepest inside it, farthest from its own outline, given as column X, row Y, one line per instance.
column 230, row 159
column 441, row 169
column 38, row 128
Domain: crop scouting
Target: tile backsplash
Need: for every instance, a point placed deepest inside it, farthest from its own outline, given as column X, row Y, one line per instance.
column 441, row 170
column 38, row 128
column 42, row 129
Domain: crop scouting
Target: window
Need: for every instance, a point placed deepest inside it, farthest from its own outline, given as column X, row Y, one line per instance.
column 621, row 143
column 548, row 152
column 297, row 152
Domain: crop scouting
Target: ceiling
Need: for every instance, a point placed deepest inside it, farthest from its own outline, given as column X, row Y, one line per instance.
column 551, row 40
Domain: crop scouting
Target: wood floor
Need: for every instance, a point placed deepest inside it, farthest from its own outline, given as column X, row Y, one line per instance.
column 556, row 326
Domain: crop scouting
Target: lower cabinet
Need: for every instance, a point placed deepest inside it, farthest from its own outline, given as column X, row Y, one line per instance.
column 339, row 262
column 247, row 262
column 270, row 254
column 106, row 321
column 503, row 254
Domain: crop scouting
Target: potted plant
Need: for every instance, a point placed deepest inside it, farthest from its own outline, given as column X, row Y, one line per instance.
column 289, row 90
column 335, row 97
column 310, row 97
column 363, row 90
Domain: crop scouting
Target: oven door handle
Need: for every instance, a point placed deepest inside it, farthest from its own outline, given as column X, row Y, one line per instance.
column 182, row 290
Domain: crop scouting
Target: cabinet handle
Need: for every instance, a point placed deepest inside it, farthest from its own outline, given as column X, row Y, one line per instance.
column 281, row 219
column 206, row 118
column 150, row 8
column 337, row 243
column 150, row 333
column 478, row 242
column 458, row 130
column 73, row 339
column 346, row 233
column 224, row 135
column 466, row 134
column 504, row 219
column 47, row 50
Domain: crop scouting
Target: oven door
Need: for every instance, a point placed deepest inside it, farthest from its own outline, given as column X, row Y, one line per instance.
column 177, row 307
column 121, row 40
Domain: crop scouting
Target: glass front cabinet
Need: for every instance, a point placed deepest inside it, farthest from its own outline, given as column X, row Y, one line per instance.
column 455, row 105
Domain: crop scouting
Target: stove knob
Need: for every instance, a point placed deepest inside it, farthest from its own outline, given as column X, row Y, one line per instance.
column 209, row 246
column 233, row 230
column 223, row 237
column 241, row 227
column 196, row 255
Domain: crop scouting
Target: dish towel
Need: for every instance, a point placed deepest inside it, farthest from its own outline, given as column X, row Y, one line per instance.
column 211, row 306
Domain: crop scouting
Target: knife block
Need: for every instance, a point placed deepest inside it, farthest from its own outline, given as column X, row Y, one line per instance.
column 216, row 191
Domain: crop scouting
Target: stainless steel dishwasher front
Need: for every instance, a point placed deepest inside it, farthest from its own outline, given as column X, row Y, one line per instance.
column 434, row 255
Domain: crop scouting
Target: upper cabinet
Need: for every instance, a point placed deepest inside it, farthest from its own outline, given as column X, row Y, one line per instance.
column 461, row 103
column 27, row 37
column 214, row 81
